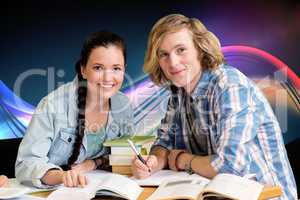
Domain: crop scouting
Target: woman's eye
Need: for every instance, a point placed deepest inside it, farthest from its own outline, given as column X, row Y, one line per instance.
column 98, row 68
column 117, row 69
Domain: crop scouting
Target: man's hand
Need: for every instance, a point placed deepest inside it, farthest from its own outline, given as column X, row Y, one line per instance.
column 141, row 170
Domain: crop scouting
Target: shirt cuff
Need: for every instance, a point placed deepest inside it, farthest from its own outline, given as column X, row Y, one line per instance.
column 36, row 177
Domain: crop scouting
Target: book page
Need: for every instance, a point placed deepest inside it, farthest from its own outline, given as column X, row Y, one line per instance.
column 100, row 183
column 121, row 185
column 74, row 193
column 179, row 188
column 157, row 178
column 14, row 183
column 7, row 193
column 28, row 197
column 94, row 179
column 233, row 186
column 15, row 189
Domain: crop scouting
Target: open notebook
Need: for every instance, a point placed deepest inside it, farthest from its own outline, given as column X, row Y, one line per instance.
column 226, row 186
column 100, row 183
column 158, row 177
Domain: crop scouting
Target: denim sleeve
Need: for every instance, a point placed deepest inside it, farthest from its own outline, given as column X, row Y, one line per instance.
column 165, row 133
column 237, row 125
column 123, row 114
column 32, row 161
column 128, row 125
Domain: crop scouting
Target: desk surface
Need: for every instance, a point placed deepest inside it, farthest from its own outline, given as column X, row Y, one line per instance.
column 267, row 193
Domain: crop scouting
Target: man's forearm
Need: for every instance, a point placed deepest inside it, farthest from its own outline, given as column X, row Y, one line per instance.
column 162, row 156
column 199, row 164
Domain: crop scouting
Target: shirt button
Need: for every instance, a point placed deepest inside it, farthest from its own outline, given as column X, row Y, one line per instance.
column 69, row 139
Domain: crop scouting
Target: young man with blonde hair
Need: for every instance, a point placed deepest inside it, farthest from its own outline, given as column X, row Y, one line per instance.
column 217, row 120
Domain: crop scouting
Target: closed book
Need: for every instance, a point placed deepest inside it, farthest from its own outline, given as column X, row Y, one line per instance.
column 128, row 150
column 120, row 159
column 122, row 169
column 138, row 140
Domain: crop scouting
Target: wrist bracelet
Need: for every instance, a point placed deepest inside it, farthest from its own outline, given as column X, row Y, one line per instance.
column 188, row 167
column 96, row 162
column 176, row 159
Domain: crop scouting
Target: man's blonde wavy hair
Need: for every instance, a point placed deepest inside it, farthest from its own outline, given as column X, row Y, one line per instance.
column 207, row 44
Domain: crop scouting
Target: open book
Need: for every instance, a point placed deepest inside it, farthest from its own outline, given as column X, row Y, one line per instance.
column 227, row 186
column 14, row 189
column 100, row 183
column 8, row 192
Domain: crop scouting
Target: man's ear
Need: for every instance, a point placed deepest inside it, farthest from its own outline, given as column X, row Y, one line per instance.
column 83, row 72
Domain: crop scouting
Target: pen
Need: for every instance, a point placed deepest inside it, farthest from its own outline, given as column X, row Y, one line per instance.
column 137, row 153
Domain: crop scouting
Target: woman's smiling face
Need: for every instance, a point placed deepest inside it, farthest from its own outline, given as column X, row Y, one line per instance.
column 104, row 71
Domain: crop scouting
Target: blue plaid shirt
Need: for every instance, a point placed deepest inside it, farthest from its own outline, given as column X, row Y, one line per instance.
column 234, row 124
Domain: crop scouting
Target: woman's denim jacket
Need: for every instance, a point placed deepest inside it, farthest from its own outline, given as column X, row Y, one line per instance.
column 49, row 138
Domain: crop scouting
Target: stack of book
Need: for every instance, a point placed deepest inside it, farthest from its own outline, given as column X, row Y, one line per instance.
column 121, row 155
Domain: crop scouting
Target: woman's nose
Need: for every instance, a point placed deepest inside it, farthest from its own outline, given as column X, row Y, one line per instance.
column 107, row 75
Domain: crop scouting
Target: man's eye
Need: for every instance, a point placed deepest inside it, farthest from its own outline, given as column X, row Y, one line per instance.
column 162, row 55
column 180, row 50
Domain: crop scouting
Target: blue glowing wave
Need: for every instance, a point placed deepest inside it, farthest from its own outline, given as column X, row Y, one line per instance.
column 15, row 114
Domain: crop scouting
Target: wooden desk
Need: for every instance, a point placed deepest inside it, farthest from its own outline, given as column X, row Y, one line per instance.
column 267, row 193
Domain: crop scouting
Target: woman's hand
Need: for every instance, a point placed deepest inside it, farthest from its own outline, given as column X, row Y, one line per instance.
column 73, row 178
column 70, row 178
column 85, row 166
column 3, row 180
column 141, row 170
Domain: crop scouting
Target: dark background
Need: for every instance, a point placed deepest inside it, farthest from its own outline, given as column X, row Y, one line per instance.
column 44, row 35
column 39, row 35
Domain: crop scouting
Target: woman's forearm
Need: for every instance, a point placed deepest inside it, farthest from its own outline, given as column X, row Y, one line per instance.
column 53, row 177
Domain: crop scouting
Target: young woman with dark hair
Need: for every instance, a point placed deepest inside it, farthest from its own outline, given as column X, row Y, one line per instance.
column 65, row 136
